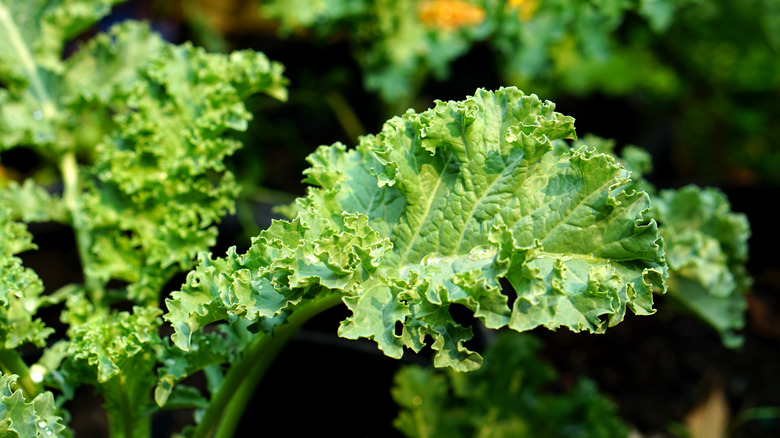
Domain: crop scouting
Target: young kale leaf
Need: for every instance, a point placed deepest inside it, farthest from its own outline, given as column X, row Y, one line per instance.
column 22, row 419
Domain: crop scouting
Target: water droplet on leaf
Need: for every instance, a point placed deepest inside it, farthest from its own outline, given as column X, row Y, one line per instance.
column 37, row 373
column 29, row 305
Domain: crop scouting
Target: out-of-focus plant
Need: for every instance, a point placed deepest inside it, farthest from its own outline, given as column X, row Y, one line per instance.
column 707, row 67
column 512, row 395
column 401, row 43
column 706, row 245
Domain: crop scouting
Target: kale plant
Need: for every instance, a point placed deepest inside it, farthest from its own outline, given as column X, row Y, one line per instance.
column 436, row 210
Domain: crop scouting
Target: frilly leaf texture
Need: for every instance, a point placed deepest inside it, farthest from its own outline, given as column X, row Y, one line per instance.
column 110, row 343
column 159, row 184
column 433, row 211
column 20, row 288
column 117, row 352
column 706, row 249
column 22, row 419
column 705, row 243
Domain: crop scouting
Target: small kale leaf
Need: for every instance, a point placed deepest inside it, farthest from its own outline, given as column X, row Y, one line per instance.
column 22, row 419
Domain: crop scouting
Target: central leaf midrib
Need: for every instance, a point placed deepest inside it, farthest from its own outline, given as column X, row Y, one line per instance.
column 26, row 58
column 426, row 215
column 511, row 166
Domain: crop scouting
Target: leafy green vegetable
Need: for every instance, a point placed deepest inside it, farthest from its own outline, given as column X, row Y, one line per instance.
column 117, row 352
column 440, row 210
column 510, row 396
column 432, row 212
column 22, row 419
column 32, row 37
column 706, row 249
column 20, row 289
column 705, row 243
column 137, row 129
column 400, row 43
column 159, row 183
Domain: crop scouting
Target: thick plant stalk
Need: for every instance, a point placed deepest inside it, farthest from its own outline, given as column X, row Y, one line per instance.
column 12, row 363
column 71, row 196
column 228, row 404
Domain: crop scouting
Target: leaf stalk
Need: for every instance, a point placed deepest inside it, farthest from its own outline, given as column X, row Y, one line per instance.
column 228, row 404
column 12, row 363
column 72, row 198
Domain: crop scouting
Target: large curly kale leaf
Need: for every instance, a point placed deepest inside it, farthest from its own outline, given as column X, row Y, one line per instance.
column 433, row 211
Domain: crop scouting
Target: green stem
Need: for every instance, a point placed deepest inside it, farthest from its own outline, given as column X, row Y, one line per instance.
column 72, row 198
column 127, row 412
column 753, row 414
column 12, row 363
column 344, row 113
column 228, row 404
column 264, row 195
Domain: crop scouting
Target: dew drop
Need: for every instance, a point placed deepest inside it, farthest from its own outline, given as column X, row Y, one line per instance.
column 29, row 305
column 38, row 115
column 37, row 373
column 42, row 423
